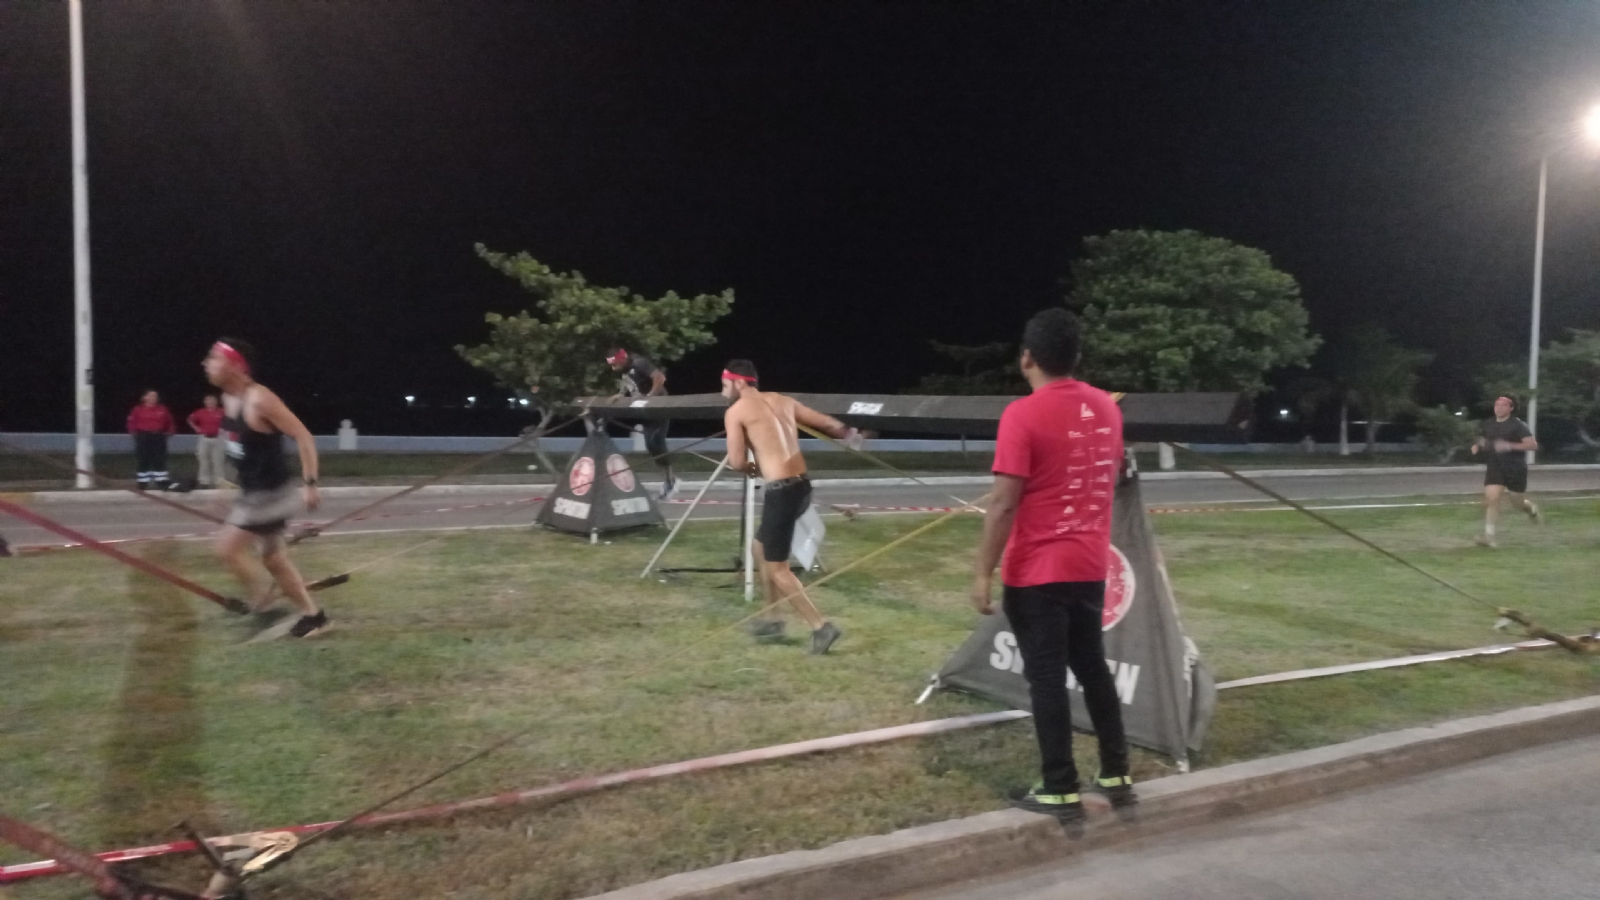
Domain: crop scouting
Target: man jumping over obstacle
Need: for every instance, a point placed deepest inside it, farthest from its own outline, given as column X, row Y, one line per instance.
column 254, row 423
column 765, row 422
column 1056, row 460
column 1505, row 441
column 642, row 378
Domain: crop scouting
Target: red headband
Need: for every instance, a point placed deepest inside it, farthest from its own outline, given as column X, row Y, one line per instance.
column 231, row 355
column 735, row 376
column 620, row 357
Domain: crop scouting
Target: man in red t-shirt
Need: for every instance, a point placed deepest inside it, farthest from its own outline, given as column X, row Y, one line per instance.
column 209, row 448
column 1056, row 461
column 151, row 424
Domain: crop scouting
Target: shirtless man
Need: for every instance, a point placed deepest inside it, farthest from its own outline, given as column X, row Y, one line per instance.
column 254, row 423
column 766, row 423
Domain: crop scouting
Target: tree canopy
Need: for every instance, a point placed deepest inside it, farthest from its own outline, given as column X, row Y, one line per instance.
column 1182, row 311
column 1381, row 375
column 557, row 351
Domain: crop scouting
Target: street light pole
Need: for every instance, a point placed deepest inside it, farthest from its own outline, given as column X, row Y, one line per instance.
column 82, row 315
column 1538, row 285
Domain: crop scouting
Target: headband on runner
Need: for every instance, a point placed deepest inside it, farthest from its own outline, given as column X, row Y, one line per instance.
column 735, row 376
column 620, row 357
column 232, row 355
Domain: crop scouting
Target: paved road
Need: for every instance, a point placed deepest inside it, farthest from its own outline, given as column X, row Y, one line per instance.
column 126, row 517
column 1523, row 825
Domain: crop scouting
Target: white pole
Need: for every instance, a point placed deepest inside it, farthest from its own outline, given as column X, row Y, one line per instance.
column 749, row 535
column 82, row 315
column 1538, row 285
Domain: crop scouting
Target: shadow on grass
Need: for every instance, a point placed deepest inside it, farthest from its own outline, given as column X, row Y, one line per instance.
column 153, row 774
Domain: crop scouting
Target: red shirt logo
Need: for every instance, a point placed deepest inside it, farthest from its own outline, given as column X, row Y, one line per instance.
column 1120, row 586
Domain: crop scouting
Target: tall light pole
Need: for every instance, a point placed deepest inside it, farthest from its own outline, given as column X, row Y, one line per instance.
column 1591, row 131
column 1538, row 285
column 82, row 314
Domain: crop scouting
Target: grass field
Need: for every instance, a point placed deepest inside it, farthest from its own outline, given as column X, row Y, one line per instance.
column 125, row 706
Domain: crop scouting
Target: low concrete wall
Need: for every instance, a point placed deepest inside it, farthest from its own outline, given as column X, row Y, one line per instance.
column 61, row 442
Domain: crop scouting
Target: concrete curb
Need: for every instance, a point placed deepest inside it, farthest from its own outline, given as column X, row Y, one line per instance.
column 989, row 844
column 444, row 490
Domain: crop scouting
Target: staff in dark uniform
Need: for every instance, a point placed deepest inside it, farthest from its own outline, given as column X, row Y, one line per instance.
column 1506, row 439
column 254, row 423
column 642, row 378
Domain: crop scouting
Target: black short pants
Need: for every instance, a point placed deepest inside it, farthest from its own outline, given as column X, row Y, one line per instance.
column 785, row 502
column 1513, row 478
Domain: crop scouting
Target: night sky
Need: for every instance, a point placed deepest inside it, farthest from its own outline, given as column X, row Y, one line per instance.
column 312, row 176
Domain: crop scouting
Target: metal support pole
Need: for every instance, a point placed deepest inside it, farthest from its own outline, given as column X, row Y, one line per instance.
column 722, row 464
column 1538, row 285
column 82, row 315
column 749, row 535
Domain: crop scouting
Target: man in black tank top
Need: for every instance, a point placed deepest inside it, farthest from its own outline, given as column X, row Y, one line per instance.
column 254, row 424
column 1505, row 443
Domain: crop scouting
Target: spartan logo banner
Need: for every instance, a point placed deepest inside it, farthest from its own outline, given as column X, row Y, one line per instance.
column 1167, row 696
column 600, row 493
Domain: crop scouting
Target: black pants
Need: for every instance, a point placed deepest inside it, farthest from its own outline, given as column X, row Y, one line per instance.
column 150, row 448
column 655, row 441
column 1058, row 626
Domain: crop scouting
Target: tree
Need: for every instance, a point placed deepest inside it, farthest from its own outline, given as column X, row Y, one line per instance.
column 1181, row 311
column 1445, row 432
column 558, row 353
column 986, row 369
column 1569, row 379
column 1309, row 393
column 1569, row 382
column 1381, row 376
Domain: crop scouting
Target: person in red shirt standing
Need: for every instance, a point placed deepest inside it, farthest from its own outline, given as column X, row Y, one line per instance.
column 151, row 424
column 1056, row 460
column 208, row 447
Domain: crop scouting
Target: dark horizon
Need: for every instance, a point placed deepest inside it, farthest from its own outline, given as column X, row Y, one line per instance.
column 865, row 177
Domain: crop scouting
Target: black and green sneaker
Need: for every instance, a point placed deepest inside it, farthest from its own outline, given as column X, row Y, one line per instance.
column 1118, row 789
column 1066, row 807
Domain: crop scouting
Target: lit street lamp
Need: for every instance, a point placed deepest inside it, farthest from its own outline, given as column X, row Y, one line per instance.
column 1591, row 131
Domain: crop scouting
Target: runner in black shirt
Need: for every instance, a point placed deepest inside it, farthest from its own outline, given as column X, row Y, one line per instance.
column 1505, row 441
column 641, row 378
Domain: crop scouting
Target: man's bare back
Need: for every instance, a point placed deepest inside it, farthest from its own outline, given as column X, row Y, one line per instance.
column 767, row 423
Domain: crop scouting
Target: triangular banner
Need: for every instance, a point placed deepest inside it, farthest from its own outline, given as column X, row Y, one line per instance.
column 599, row 494
column 1167, row 695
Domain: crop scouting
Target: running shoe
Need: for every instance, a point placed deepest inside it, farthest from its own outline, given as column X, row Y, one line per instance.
column 767, row 629
column 5, row 549
column 1065, row 807
column 1483, row 540
column 824, row 638
column 309, row 625
column 668, row 488
column 1535, row 514
column 1118, row 789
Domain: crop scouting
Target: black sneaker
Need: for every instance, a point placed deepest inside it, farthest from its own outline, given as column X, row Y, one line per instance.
column 309, row 625
column 5, row 549
column 824, row 638
column 1118, row 789
column 1065, row 807
column 767, row 629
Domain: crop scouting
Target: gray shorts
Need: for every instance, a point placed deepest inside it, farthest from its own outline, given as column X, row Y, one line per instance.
column 266, row 512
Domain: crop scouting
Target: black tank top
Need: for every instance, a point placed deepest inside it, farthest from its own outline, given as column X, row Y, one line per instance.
column 258, row 455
